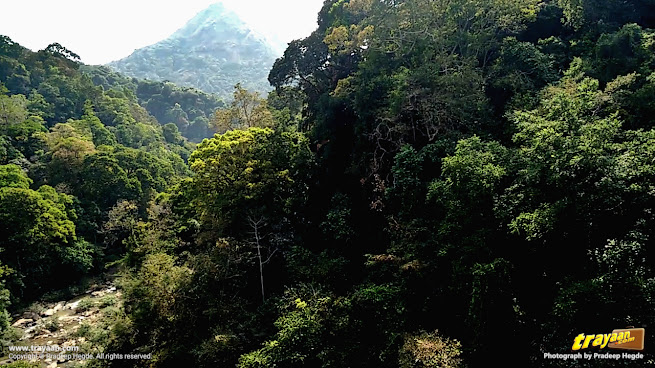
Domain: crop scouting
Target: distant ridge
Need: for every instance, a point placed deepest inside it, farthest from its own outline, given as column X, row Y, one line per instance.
column 212, row 52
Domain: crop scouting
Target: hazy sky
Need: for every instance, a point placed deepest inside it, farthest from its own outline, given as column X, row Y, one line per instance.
column 105, row 30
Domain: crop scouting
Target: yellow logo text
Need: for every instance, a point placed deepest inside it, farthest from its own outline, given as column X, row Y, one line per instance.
column 582, row 341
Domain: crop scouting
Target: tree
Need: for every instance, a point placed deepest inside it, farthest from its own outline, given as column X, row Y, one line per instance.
column 104, row 182
column 247, row 110
column 12, row 176
column 258, row 237
column 37, row 105
column 4, row 301
column 303, row 338
column 172, row 134
column 28, row 136
column 151, row 300
column 13, row 109
column 67, row 149
column 59, row 50
column 120, row 229
column 606, row 14
column 178, row 117
column 38, row 239
column 255, row 172
column 91, row 126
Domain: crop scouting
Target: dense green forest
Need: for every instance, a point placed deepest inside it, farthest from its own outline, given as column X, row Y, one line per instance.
column 191, row 110
column 431, row 184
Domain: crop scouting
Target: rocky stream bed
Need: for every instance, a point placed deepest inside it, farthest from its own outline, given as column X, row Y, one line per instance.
column 55, row 327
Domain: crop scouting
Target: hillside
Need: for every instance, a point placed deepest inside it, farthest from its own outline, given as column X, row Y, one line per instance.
column 214, row 51
column 429, row 183
column 69, row 152
column 188, row 108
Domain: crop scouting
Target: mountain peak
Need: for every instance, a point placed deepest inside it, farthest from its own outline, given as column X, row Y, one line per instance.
column 213, row 51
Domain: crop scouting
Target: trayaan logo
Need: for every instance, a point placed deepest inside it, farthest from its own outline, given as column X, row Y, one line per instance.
column 625, row 339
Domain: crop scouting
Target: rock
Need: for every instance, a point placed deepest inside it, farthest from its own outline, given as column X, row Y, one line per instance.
column 65, row 319
column 48, row 312
column 59, row 306
column 52, row 365
column 28, row 333
column 98, row 294
column 22, row 322
column 72, row 305
column 32, row 315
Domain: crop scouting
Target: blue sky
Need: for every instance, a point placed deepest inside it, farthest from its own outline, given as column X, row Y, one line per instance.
column 101, row 31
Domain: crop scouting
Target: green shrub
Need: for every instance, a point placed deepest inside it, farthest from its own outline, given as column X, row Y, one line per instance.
column 85, row 305
column 52, row 324
column 84, row 330
column 35, row 307
column 107, row 301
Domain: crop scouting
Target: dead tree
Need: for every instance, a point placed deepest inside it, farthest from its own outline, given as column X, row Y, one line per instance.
column 258, row 239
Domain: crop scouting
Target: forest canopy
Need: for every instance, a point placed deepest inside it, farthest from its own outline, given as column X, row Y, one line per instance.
column 429, row 181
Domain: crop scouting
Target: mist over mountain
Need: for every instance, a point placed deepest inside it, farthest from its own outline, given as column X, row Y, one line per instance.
column 212, row 52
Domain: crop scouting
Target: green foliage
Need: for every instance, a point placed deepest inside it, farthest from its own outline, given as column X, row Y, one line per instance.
column 107, row 301
column 80, row 256
column 105, row 182
column 11, row 176
column 337, row 223
column 85, row 304
column 171, row 133
column 74, row 136
column 465, row 167
column 27, row 138
column 4, row 305
column 306, row 266
column 302, row 337
column 106, row 333
column 185, row 107
column 154, row 310
column 605, row 13
column 38, row 238
column 522, row 67
column 152, row 291
column 246, row 110
column 13, row 110
column 320, row 329
column 254, row 172
column 475, row 169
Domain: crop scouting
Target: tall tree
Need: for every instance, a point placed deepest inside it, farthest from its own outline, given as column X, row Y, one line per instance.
column 247, row 110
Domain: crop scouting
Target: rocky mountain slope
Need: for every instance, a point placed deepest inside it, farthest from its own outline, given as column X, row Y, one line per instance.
column 212, row 52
